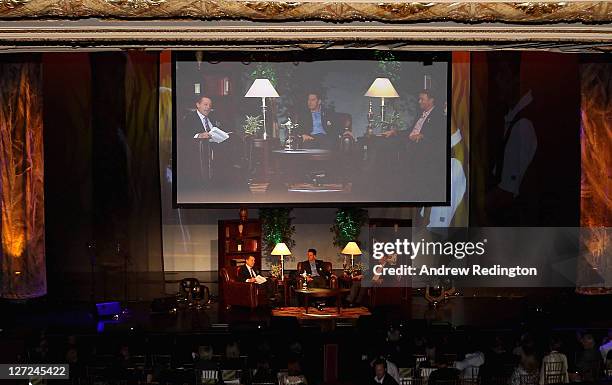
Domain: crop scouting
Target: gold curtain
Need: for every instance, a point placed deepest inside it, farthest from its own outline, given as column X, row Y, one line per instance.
column 596, row 185
column 22, row 255
column 460, row 121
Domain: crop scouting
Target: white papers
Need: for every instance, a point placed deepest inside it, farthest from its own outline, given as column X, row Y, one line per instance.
column 217, row 135
column 259, row 279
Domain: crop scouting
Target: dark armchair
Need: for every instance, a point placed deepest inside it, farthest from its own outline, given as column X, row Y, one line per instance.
column 237, row 293
column 192, row 292
column 332, row 282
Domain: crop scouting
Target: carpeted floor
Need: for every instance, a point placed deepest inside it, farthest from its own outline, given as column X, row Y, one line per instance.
column 328, row 312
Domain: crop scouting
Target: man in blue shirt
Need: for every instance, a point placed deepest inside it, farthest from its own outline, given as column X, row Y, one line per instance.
column 317, row 276
column 319, row 128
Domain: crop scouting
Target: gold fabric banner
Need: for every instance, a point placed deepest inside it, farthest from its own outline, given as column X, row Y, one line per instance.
column 596, row 161
column 22, row 255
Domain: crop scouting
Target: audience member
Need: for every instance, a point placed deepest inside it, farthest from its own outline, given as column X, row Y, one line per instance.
column 443, row 374
column 232, row 357
column 527, row 368
column 205, row 359
column 391, row 367
column 588, row 361
column 381, row 377
column 606, row 345
column 497, row 362
column 263, row 373
column 473, row 360
column 554, row 365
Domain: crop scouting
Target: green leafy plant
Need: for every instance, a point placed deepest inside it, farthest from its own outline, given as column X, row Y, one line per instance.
column 275, row 270
column 388, row 65
column 276, row 227
column 264, row 71
column 357, row 268
column 252, row 124
column 347, row 225
column 395, row 121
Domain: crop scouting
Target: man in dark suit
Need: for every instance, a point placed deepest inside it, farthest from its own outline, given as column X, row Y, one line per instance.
column 425, row 146
column 194, row 151
column 248, row 273
column 381, row 376
column 203, row 165
column 319, row 128
column 316, row 274
column 427, row 138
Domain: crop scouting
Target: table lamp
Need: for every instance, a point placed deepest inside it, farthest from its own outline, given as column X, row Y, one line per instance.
column 281, row 249
column 382, row 88
column 262, row 88
column 352, row 249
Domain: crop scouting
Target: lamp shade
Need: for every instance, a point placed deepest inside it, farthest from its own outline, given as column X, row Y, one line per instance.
column 280, row 249
column 352, row 249
column 261, row 88
column 382, row 88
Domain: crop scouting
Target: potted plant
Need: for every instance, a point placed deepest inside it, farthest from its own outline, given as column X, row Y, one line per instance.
column 252, row 125
column 347, row 225
column 276, row 227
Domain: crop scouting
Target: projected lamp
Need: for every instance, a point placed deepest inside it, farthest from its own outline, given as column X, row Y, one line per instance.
column 352, row 249
column 281, row 249
column 262, row 88
column 382, row 88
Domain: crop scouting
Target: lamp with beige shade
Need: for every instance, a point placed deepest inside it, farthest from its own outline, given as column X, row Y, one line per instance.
column 382, row 88
column 281, row 250
column 262, row 88
column 351, row 249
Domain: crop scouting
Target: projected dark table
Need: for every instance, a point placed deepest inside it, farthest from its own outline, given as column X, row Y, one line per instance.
column 323, row 293
column 304, row 166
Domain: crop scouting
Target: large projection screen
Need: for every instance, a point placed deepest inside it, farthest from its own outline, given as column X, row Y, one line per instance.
column 311, row 128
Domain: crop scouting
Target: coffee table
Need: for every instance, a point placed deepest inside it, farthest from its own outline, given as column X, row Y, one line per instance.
column 323, row 293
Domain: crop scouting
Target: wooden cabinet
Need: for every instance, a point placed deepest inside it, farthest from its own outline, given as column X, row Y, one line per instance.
column 238, row 240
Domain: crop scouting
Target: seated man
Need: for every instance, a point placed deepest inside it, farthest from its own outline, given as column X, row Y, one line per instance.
column 316, row 276
column 382, row 377
column 248, row 273
column 443, row 374
column 318, row 127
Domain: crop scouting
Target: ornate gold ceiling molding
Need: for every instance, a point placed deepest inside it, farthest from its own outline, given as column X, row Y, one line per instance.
column 357, row 10
column 59, row 35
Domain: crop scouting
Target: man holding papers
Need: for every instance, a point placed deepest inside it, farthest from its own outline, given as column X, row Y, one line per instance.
column 197, row 141
column 248, row 273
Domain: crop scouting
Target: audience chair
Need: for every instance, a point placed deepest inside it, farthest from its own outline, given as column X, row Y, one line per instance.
column 209, row 377
column 280, row 376
column 192, row 292
column 161, row 361
column 471, row 376
column 425, row 372
column 231, row 377
column 448, row 382
column 529, row 379
column 553, row 372
column 405, row 373
column 419, row 359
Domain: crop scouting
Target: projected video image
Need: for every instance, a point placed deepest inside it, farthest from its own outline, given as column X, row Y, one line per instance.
column 359, row 127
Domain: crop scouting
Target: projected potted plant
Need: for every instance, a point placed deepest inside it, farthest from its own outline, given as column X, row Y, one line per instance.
column 252, row 125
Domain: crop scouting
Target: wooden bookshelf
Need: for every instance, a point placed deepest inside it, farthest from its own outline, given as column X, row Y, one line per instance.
column 236, row 245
